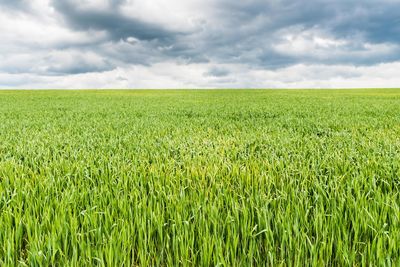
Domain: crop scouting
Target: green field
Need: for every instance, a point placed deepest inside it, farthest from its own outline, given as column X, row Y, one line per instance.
column 200, row 178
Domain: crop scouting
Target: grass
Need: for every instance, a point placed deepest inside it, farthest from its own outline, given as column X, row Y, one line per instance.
column 200, row 178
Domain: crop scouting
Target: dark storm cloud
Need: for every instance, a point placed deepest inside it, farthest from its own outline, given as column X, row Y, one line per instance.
column 378, row 23
column 378, row 20
column 110, row 20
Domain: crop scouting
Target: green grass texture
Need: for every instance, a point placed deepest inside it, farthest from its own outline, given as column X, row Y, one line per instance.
column 200, row 178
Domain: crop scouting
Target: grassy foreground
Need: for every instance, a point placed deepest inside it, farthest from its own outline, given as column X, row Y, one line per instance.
column 200, row 178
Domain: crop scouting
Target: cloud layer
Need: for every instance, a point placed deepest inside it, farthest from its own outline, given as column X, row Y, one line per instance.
column 199, row 43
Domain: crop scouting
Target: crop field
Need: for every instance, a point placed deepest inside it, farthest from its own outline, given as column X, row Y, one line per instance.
column 200, row 178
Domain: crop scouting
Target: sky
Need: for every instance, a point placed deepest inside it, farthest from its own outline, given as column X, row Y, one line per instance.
column 199, row 44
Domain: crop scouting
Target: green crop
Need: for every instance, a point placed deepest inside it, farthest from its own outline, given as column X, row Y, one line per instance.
column 200, row 178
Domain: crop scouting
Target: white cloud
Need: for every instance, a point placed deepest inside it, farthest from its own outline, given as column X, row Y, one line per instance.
column 41, row 30
column 171, row 75
column 318, row 45
column 176, row 15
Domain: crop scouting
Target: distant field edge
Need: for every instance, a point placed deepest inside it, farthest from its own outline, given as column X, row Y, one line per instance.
column 189, row 89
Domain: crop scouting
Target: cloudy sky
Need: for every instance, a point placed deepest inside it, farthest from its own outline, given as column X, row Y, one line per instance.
column 199, row 43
